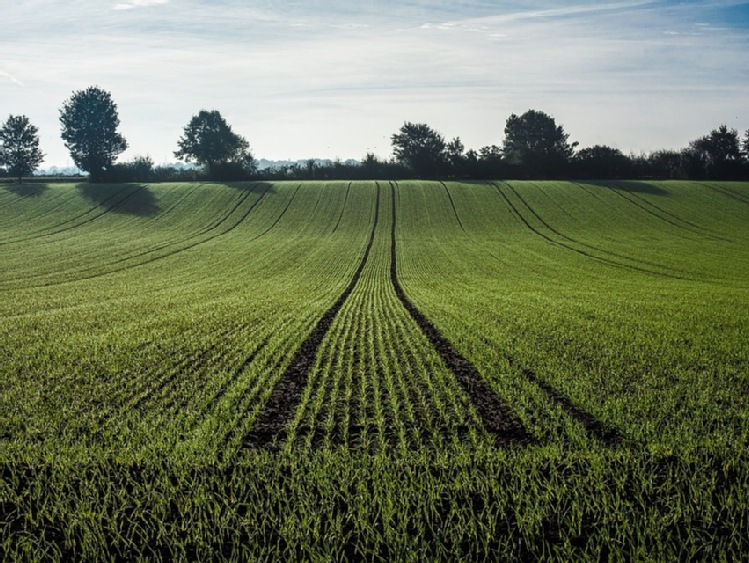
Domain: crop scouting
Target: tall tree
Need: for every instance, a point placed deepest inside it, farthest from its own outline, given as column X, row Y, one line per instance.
column 537, row 144
column 209, row 140
column 665, row 163
column 421, row 148
column 89, row 128
column 717, row 154
column 19, row 147
column 455, row 150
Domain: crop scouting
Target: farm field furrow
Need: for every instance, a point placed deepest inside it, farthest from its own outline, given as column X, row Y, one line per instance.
column 590, row 332
column 378, row 384
column 118, row 395
column 411, row 370
column 123, row 253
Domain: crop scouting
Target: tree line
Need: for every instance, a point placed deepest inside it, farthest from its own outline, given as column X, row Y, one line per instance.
column 534, row 146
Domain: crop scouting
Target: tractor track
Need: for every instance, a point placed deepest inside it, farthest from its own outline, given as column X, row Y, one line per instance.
column 606, row 434
column 343, row 207
column 286, row 395
column 583, row 244
column 516, row 213
column 214, row 225
column 452, row 204
column 496, row 416
column 726, row 192
column 45, row 233
column 668, row 218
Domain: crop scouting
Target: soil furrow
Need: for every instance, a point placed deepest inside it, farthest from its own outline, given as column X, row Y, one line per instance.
column 550, row 240
column 452, row 204
column 606, row 434
column 496, row 416
column 343, row 208
column 213, row 227
column 584, row 244
column 44, row 233
column 266, row 231
column 659, row 216
column 728, row 193
column 287, row 393
column 236, row 374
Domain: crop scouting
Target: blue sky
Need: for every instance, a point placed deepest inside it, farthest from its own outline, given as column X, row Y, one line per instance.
column 334, row 79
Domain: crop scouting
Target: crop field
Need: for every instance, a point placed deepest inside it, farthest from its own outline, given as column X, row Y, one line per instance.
column 375, row 371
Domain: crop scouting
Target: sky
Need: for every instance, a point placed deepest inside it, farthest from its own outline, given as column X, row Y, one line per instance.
column 335, row 78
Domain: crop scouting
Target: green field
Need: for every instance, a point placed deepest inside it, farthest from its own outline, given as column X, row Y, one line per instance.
column 375, row 370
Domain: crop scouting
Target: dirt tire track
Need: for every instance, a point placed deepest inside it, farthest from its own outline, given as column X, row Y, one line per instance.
column 287, row 393
column 16, row 199
column 550, row 240
column 203, row 231
column 343, row 207
column 496, row 416
column 607, row 434
column 266, row 231
column 660, row 217
column 53, row 199
column 697, row 229
column 80, row 215
column 586, row 245
column 215, row 225
column 726, row 192
column 452, row 204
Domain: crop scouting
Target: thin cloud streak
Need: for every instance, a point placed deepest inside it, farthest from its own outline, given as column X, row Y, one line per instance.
column 139, row 4
column 12, row 78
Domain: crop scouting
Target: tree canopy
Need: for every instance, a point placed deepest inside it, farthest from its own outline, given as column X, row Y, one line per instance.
column 89, row 123
column 209, row 140
column 717, row 155
column 421, row 148
column 19, row 147
column 601, row 161
column 536, row 144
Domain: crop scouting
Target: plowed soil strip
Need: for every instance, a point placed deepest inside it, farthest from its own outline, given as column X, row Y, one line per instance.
column 519, row 216
column 287, row 394
column 496, row 416
column 609, row 435
column 69, row 224
column 343, row 207
column 452, row 203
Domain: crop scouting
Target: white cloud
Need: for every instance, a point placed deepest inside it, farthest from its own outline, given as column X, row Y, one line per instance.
column 12, row 78
column 138, row 4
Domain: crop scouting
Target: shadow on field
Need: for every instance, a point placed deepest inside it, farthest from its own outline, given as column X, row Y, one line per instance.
column 22, row 190
column 140, row 200
column 628, row 186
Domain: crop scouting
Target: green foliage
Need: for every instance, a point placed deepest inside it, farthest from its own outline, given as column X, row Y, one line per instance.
column 89, row 124
column 19, row 147
column 421, row 148
column 534, row 142
column 209, row 140
column 131, row 372
column 601, row 161
column 717, row 155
